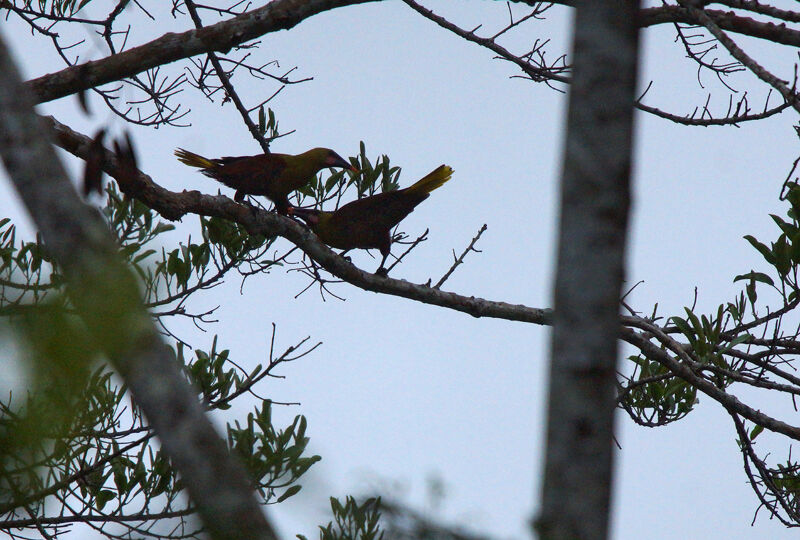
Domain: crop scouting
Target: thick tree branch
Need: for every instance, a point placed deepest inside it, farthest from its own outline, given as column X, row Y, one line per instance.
column 788, row 93
column 174, row 206
column 727, row 20
column 104, row 292
column 276, row 15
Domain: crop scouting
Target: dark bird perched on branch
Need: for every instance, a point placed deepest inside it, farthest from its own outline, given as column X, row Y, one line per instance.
column 367, row 223
column 273, row 175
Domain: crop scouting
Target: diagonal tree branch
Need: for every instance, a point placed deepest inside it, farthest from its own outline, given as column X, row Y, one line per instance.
column 788, row 93
column 726, row 20
column 174, row 205
column 276, row 15
column 104, row 292
column 226, row 82
column 534, row 72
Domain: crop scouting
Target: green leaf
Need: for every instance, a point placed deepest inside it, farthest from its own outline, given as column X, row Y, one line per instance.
column 333, row 180
column 102, row 498
column 794, row 197
column 289, row 492
column 751, row 292
column 782, row 260
column 145, row 254
column 81, row 5
column 738, row 340
column 163, row 227
column 787, row 228
column 683, row 326
column 262, row 120
column 120, row 479
column 698, row 326
column 756, row 431
column 764, row 250
column 757, row 276
column 674, row 386
column 794, row 252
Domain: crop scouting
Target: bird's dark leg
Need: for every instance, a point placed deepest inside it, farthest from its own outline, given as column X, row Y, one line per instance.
column 239, row 198
column 383, row 271
column 291, row 215
column 282, row 206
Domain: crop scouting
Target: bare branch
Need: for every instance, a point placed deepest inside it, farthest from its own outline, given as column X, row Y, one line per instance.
column 220, row 37
column 788, row 93
column 460, row 259
column 226, row 82
column 535, row 72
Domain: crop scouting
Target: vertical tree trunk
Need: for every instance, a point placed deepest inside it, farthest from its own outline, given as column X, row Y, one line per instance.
column 595, row 199
column 106, row 296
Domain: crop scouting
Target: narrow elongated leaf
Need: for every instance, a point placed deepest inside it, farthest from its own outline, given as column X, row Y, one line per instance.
column 757, row 276
column 764, row 250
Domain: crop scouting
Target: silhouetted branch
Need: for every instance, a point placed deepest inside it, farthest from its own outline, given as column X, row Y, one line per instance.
column 226, row 82
column 220, row 37
column 457, row 261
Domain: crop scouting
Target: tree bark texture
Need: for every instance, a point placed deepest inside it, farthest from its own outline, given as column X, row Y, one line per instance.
column 105, row 294
column 595, row 200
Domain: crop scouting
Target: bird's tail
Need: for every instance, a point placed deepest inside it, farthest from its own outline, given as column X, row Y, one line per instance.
column 193, row 160
column 432, row 180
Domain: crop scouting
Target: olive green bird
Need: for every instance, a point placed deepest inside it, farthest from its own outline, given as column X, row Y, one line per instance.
column 273, row 175
column 367, row 223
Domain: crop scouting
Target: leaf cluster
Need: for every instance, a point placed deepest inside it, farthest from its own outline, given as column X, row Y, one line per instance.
column 73, row 448
column 353, row 520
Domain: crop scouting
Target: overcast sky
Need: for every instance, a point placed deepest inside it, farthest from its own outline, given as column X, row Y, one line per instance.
column 402, row 392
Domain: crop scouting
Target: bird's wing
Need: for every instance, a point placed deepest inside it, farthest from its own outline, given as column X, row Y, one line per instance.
column 382, row 211
column 265, row 166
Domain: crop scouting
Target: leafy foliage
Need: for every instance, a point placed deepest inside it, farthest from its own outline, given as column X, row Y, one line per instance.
column 74, row 449
column 743, row 344
column 352, row 521
column 91, row 451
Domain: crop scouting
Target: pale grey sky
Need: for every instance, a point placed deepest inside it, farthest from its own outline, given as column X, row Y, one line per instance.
column 401, row 391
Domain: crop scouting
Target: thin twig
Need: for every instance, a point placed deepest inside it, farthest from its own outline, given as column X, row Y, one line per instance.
column 460, row 259
column 226, row 82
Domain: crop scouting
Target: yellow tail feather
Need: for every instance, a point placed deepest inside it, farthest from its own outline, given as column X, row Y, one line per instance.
column 432, row 180
column 193, row 160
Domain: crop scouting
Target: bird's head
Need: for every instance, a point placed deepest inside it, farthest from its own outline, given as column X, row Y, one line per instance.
column 326, row 157
column 309, row 215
